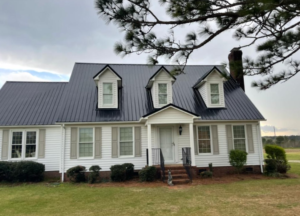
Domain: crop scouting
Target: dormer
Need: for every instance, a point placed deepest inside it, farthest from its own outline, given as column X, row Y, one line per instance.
column 160, row 85
column 108, row 83
column 211, row 88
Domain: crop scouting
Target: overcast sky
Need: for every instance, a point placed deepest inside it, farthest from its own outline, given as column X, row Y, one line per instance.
column 41, row 41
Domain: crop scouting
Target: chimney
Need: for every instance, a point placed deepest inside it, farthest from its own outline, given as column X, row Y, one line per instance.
column 236, row 66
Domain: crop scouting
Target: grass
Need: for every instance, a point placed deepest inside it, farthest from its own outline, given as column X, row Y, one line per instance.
column 253, row 197
column 291, row 154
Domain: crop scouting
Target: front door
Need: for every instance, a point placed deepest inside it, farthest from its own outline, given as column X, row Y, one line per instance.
column 166, row 143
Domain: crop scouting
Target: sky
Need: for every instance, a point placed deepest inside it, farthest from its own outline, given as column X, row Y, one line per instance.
column 41, row 41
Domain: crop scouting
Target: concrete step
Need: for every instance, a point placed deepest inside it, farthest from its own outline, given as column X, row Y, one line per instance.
column 174, row 167
column 180, row 181
column 174, row 172
column 180, row 176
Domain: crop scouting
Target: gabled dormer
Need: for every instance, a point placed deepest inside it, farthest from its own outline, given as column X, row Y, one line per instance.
column 160, row 85
column 108, row 82
column 211, row 88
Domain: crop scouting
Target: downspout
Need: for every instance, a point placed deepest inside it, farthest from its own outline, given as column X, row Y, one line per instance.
column 259, row 141
column 63, row 153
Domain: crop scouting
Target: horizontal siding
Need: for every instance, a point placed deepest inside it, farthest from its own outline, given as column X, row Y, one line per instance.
column 52, row 148
column 106, row 161
column 1, row 132
column 203, row 93
column 222, row 159
column 170, row 116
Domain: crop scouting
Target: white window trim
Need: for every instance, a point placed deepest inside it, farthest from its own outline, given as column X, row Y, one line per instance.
column 211, row 145
column 219, row 86
column 24, row 133
column 112, row 86
column 92, row 157
column 246, row 138
column 119, row 143
column 161, row 82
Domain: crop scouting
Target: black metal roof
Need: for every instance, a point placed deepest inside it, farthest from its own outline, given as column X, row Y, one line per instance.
column 80, row 97
column 30, row 103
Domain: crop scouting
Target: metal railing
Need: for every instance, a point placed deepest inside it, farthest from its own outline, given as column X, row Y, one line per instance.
column 157, row 159
column 187, row 161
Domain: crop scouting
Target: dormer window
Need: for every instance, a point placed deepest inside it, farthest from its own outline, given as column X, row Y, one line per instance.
column 214, row 94
column 108, row 82
column 107, row 93
column 162, row 93
column 160, row 85
column 211, row 88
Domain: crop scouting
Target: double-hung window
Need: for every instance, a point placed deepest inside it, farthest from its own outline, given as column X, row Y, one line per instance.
column 204, row 139
column 239, row 137
column 23, row 144
column 162, row 93
column 214, row 94
column 126, row 141
column 86, row 142
column 107, row 93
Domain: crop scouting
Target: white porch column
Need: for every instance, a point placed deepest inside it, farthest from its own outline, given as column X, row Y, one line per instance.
column 149, row 145
column 192, row 144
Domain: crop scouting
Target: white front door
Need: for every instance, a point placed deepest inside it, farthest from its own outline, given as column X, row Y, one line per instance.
column 166, row 143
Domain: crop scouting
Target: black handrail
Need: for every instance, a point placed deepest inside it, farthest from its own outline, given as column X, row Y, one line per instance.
column 187, row 161
column 157, row 159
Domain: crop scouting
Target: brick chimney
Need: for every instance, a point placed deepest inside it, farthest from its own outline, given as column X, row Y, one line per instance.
column 236, row 66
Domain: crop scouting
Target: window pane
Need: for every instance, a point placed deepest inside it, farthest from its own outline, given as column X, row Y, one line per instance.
column 240, row 144
column 215, row 99
column 162, row 99
column 203, row 132
column 126, row 148
column 126, row 134
column 31, row 137
column 107, row 88
column 214, row 88
column 204, row 146
column 16, row 151
column 86, row 135
column 239, row 131
column 162, row 88
column 86, row 150
column 17, row 138
column 107, row 99
column 30, row 151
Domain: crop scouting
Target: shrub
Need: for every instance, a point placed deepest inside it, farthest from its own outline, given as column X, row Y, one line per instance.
column 129, row 167
column 22, row 171
column 76, row 174
column 118, row 173
column 238, row 159
column 206, row 174
column 282, row 167
column 147, row 174
column 275, row 152
column 270, row 166
column 273, row 167
column 94, row 174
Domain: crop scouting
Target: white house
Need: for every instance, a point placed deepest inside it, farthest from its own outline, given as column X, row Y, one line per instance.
column 111, row 114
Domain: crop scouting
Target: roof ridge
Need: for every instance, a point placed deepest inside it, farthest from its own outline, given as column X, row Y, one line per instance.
column 146, row 64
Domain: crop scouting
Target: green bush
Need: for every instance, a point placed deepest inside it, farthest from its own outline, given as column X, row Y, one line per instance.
column 117, row 173
column 94, row 174
column 206, row 174
column 270, row 166
column 147, row 174
column 275, row 152
column 22, row 171
column 129, row 167
column 282, row 167
column 273, row 167
column 238, row 159
column 76, row 174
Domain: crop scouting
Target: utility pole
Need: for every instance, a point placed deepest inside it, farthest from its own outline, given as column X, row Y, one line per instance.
column 274, row 132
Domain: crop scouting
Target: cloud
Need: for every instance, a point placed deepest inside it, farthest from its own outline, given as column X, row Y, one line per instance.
column 269, row 128
column 19, row 76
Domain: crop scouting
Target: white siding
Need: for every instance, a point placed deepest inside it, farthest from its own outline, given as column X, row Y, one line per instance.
column 222, row 158
column 170, row 116
column 162, row 77
column 213, row 78
column 110, row 77
column 52, row 148
column 1, row 144
column 106, row 161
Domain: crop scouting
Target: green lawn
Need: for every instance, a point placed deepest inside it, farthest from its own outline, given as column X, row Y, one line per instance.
column 253, row 197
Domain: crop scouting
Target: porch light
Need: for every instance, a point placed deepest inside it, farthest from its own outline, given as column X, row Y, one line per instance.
column 180, row 130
